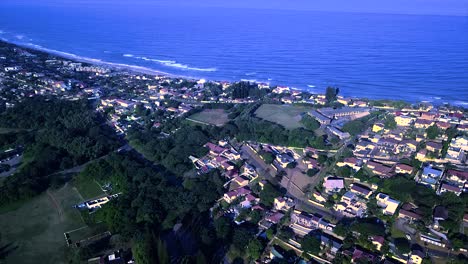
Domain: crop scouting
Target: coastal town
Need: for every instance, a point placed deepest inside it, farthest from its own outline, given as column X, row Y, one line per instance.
column 338, row 179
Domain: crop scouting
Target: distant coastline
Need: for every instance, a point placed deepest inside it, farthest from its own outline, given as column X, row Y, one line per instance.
column 150, row 71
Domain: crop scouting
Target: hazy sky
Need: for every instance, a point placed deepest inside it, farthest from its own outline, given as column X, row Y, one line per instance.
column 434, row 7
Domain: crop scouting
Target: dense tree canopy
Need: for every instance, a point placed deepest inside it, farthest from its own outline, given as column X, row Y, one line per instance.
column 56, row 135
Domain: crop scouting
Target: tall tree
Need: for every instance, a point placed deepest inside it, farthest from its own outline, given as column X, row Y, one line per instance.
column 331, row 93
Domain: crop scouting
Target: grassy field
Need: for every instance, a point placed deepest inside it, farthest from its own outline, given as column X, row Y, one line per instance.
column 288, row 116
column 35, row 230
column 87, row 188
column 217, row 117
column 396, row 233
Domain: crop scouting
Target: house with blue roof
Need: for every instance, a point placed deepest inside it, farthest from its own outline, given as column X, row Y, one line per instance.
column 431, row 176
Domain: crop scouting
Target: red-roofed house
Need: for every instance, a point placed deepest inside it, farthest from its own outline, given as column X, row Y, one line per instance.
column 458, row 178
column 214, row 149
column 229, row 197
column 403, row 169
column 444, row 187
column 361, row 255
column 274, row 217
column 422, row 123
column 361, row 190
column 378, row 241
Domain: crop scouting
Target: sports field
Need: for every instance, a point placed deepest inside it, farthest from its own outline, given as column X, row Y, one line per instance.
column 35, row 231
column 217, row 117
column 88, row 189
column 288, row 116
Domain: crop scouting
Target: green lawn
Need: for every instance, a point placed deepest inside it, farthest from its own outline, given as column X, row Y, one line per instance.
column 396, row 233
column 288, row 116
column 217, row 117
column 88, row 188
column 35, row 230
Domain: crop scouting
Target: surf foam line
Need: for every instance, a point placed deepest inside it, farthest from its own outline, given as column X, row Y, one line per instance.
column 72, row 56
column 173, row 64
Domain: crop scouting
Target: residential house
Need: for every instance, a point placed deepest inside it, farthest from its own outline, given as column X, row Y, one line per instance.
column 388, row 205
column 361, row 190
column 351, row 162
column 379, row 169
column 303, row 223
column 215, row 150
column 416, row 257
column 360, row 256
column 410, row 213
column 284, row 159
column 351, row 205
column 445, row 187
column 229, row 197
column 274, row 217
column 423, row 123
column 431, row 176
column 403, row 169
column 249, row 201
column 457, row 178
column 333, row 184
column 378, row 242
column 331, row 243
column 377, row 127
column 319, row 197
column 431, row 239
column 403, row 120
column 283, row 203
column 323, row 120
column 434, row 147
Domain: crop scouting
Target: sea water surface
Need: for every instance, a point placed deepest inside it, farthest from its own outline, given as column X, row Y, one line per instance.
column 409, row 57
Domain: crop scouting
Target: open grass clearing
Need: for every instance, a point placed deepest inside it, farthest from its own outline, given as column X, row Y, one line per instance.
column 36, row 229
column 216, row 117
column 397, row 233
column 289, row 116
column 88, row 189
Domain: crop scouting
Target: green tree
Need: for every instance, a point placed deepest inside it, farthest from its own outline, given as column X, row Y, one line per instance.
column 331, row 94
column 390, row 122
column 267, row 157
column 402, row 244
column 310, row 122
column 141, row 251
column 254, row 249
column 311, row 243
column 312, row 172
column 223, row 227
column 432, row 132
column 268, row 194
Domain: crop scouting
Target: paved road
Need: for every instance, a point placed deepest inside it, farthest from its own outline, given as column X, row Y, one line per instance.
column 262, row 168
column 79, row 168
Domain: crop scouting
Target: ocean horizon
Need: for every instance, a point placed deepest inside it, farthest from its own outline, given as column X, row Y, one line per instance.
column 378, row 56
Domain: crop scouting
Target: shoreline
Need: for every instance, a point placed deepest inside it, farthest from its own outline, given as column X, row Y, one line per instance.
column 146, row 70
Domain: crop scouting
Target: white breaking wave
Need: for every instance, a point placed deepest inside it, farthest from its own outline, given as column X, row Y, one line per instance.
column 174, row 64
column 20, row 37
column 311, row 86
column 95, row 61
column 128, row 55
column 461, row 103
column 250, row 73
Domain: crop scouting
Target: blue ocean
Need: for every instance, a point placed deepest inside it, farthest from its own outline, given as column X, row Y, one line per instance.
column 409, row 57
